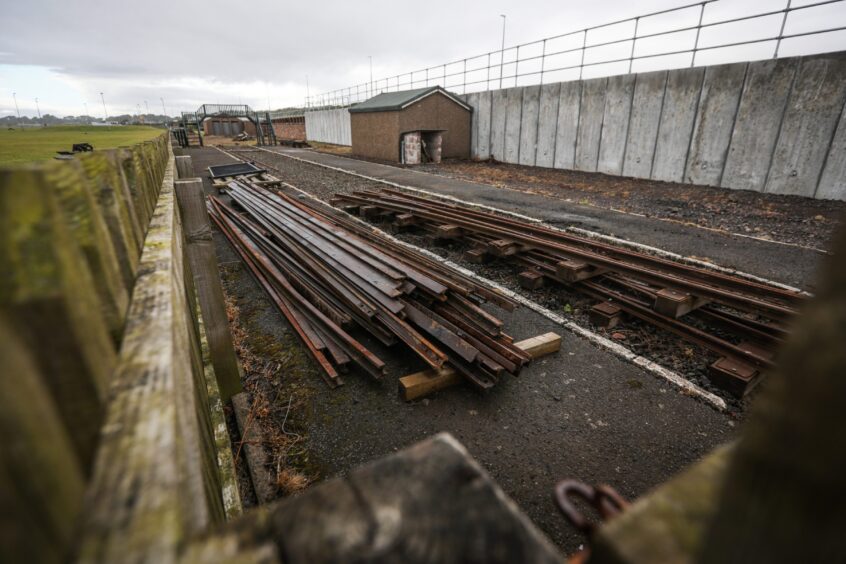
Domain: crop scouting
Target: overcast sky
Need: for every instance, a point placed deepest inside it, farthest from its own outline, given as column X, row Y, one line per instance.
column 190, row 52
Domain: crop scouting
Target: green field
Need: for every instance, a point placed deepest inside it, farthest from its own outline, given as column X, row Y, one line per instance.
column 36, row 144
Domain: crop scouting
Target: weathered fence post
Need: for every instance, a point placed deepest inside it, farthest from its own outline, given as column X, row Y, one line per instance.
column 201, row 256
column 184, row 168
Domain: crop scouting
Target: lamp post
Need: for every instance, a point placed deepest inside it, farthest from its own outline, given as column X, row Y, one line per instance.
column 37, row 109
column 502, row 52
column 164, row 111
column 15, row 96
column 105, row 113
column 371, row 73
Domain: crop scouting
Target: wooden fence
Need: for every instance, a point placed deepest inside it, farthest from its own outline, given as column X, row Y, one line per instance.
column 114, row 441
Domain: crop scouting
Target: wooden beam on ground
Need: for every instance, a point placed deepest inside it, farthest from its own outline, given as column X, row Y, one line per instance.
column 201, row 255
column 251, row 448
column 421, row 384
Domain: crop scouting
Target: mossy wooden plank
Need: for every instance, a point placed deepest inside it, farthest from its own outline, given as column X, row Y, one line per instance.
column 135, row 184
column 41, row 480
column 76, row 195
column 430, row 502
column 784, row 489
column 227, row 476
column 154, row 482
column 667, row 524
column 109, row 193
column 46, row 290
column 122, row 188
column 195, row 430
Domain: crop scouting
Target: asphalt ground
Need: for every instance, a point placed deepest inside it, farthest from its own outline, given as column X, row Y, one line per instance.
column 582, row 413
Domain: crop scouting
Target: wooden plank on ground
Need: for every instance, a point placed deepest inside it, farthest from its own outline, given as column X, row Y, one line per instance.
column 421, row 384
column 201, row 254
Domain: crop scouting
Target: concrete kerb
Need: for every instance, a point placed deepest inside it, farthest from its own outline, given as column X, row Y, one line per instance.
column 613, row 347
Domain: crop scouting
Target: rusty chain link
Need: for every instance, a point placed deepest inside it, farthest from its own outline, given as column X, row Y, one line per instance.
column 603, row 499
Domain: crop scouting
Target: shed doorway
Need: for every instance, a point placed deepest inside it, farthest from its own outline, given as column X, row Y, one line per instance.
column 424, row 146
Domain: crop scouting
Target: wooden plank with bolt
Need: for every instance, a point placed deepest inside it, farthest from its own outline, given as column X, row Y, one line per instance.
column 477, row 256
column 530, row 279
column 571, row 271
column 605, row 314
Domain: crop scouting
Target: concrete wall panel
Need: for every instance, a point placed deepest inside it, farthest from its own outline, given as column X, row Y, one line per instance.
column 547, row 124
column 329, row 126
column 498, row 103
column 513, row 116
column 472, row 100
column 590, row 123
column 730, row 125
column 569, row 106
column 809, row 123
column 483, row 119
column 615, row 123
column 718, row 105
column 757, row 124
column 677, row 116
column 833, row 180
column 529, row 125
column 647, row 100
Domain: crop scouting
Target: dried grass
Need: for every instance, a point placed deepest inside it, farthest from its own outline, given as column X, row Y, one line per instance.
column 261, row 380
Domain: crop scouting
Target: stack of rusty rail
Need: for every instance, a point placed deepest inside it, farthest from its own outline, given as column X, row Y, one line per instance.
column 326, row 280
column 740, row 320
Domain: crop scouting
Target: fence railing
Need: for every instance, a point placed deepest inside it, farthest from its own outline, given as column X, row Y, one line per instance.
column 626, row 42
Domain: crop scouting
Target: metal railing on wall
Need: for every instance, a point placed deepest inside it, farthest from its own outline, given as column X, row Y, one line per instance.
column 568, row 55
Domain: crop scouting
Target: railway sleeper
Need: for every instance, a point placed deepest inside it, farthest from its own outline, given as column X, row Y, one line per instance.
column 477, row 256
column 605, row 315
column 675, row 303
column 503, row 247
column 446, row 231
column 737, row 376
column 531, row 279
column 571, row 270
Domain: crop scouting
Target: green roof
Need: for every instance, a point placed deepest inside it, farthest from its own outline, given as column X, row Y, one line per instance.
column 393, row 101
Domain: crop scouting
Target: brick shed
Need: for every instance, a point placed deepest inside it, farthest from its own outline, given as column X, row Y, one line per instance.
column 412, row 126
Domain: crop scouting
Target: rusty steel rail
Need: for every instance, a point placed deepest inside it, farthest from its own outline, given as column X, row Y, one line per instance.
column 755, row 297
column 326, row 278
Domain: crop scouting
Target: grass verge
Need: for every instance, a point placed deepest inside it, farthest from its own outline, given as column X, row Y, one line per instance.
column 18, row 146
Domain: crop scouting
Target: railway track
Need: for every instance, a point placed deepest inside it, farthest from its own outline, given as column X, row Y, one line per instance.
column 740, row 320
